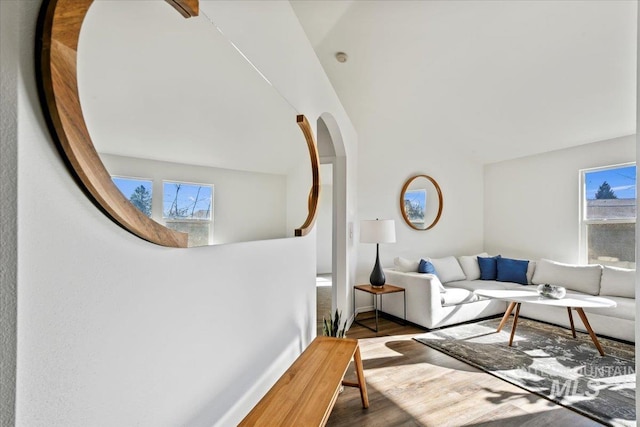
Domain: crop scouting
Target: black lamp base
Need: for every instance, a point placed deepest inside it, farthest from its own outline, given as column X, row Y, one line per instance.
column 377, row 278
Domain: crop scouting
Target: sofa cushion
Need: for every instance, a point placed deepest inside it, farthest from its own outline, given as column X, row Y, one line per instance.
column 448, row 269
column 618, row 282
column 512, row 270
column 413, row 276
column 473, row 285
column 488, row 267
column 405, row 265
column 530, row 270
column 470, row 267
column 581, row 278
column 625, row 309
column 426, row 267
column 455, row 296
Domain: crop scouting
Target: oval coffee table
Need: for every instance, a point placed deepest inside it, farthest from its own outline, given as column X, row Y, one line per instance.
column 571, row 301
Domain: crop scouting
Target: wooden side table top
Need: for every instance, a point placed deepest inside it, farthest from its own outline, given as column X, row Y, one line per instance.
column 386, row 289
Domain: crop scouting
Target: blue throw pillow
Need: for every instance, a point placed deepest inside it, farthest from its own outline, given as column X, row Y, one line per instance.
column 512, row 270
column 488, row 267
column 426, row 267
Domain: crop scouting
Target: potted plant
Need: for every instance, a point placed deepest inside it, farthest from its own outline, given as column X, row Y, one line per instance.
column 331, row 327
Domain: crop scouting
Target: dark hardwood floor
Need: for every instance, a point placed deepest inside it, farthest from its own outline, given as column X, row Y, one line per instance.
column 411, row 384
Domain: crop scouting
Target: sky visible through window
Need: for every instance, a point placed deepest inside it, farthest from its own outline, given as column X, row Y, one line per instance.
column 128, row 185
column 622, row 181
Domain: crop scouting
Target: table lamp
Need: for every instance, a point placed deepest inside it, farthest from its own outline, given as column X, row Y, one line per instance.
column 377, row 231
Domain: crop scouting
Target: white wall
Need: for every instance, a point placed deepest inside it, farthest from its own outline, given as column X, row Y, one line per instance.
column 113, row 330
column 324, row 222
column 246, row 205
column 298, row 186
column 394, row 151
column 385, row 165
column 637, row 145
column 531, row 204
column 298, row 76
column 9, row 74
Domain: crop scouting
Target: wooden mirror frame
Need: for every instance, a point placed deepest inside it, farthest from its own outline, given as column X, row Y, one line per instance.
column 57, row 38
column 404, row 190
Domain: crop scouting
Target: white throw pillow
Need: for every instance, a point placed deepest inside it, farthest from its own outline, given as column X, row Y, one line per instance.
column 406, row 266
column 530, row 271
column 448, row 269
column 470, row 267
column 618, row 282
column 581, row 278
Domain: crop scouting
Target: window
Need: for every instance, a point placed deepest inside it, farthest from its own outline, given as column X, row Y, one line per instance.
column 188, row 208
column 608, row 215
column 138, row 191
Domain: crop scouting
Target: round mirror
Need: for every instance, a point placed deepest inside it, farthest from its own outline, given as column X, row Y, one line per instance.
column 421, row 202
column 175, row 135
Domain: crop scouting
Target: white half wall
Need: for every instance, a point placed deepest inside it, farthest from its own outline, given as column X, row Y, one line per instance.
column 112, row 330
column 531, row 207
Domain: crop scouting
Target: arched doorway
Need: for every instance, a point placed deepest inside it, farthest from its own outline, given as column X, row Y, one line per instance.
column 331, row 225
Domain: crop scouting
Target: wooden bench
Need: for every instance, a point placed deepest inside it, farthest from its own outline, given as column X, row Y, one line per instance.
column 305, row 394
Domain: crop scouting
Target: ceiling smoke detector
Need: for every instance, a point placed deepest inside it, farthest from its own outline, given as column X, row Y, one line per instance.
column 341, row 57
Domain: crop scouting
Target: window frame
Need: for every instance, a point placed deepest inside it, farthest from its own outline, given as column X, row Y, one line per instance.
column 583, row 221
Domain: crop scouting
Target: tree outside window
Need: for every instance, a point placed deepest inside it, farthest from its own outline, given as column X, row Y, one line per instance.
column 605, row 192
column 138, row 191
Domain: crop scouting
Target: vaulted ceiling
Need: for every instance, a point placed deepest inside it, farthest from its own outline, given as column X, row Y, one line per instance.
column 497, row 79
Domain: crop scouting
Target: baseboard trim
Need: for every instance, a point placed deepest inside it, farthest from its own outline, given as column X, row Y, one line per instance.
column 358, row 310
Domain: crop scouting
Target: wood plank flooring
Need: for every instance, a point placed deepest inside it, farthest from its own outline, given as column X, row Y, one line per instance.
column 411, row 384
column 323, row 295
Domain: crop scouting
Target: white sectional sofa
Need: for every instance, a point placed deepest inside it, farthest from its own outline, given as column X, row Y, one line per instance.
column 447, row 297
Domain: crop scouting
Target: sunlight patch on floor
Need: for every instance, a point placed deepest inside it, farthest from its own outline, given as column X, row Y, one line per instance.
column 446, row 401
column 323, row 280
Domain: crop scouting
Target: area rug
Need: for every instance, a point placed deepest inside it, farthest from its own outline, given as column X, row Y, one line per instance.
column 548, row 361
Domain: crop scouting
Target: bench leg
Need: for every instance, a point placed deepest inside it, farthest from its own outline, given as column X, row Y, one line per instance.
column 360, row 374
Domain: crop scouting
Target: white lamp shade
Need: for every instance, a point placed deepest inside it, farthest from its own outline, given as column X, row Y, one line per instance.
column 378, row 231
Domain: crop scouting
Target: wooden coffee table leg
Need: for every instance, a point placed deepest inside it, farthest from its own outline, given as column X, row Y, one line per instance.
column 573, row 328
column 515, row 323
column 506, row 316
column 594, row 338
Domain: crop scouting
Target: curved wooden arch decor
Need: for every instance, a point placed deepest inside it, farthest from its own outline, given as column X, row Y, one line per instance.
column 186, row 8
column 404, row 214
column 314, row 194
column 57, row 38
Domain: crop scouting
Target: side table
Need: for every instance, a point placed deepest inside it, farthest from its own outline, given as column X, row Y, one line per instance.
column 378, row 292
